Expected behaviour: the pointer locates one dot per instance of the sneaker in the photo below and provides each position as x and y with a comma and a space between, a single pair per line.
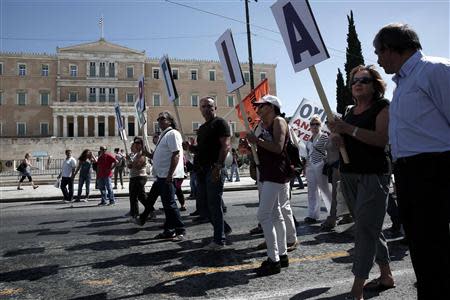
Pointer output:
101, 204
115, 188
345, 220
165, 236
35, 187
292, 246
183, 208
84, 200
309, 220
20, 189
111, 203
179, 238
227, 233
256, 230
268, 267
284, 261
213, 246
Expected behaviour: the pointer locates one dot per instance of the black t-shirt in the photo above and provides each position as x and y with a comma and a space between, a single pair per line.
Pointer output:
208, 141
364, 158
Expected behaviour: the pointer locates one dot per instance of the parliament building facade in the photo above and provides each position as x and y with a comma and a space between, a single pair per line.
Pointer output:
50, 103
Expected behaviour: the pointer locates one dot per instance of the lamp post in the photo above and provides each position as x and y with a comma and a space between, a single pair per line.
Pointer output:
249, 42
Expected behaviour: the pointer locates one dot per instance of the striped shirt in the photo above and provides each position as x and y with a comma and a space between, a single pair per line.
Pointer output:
316, 149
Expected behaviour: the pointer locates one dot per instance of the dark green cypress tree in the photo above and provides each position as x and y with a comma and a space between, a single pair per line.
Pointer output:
340, 92
354, 58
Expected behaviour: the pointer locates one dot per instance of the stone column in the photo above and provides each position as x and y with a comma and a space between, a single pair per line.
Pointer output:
55, 125
125, 124
136, 126
86, 131
116, 129
96, 126
64, 126
75, 125
106, 125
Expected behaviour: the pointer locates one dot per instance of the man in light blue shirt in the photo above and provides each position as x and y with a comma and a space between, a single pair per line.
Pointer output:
419, 134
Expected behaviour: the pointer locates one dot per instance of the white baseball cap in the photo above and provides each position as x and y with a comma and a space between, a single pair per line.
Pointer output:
269, 99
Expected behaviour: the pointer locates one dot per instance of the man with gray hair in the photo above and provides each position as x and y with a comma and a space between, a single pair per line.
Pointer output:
419, 135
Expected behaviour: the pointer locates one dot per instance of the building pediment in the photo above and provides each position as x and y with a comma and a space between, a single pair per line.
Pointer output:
100, 46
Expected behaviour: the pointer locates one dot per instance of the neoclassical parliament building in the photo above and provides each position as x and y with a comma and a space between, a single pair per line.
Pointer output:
49, 103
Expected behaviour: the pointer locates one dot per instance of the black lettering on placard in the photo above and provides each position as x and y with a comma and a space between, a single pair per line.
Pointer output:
306, 43
305, 111
166, 80
318, 111
228, 61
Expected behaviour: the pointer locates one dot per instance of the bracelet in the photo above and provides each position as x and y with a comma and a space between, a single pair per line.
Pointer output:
355, 130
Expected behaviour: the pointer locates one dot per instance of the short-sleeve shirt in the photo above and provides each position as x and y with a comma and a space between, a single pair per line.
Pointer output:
208, 140
68, 166
170, 141
104, 163
85, 168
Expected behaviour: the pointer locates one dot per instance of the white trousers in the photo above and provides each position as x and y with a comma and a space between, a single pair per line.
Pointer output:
318, 188
273, 199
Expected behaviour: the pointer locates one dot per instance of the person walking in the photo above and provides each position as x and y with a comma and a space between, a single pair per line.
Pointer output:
365, 180
85, 167
67, 174
24, 169
271, 138
318, 186
419, 135
213, 144
118, 170
137, 164
105, 164
234, 166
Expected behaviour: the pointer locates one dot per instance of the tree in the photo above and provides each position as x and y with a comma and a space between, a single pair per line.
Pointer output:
340, 92
354, 58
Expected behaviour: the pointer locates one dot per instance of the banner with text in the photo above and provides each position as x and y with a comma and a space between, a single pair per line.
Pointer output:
300, 120
253, 118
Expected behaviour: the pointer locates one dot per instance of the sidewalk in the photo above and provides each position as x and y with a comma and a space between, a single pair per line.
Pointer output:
47, 191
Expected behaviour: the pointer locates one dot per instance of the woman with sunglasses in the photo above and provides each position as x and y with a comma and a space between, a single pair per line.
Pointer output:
274, 211
365, 180
318, 186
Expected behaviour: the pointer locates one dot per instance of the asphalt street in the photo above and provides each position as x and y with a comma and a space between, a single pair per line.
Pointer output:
50, 250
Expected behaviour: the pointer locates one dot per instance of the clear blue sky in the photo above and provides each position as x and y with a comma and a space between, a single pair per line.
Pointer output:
160, 27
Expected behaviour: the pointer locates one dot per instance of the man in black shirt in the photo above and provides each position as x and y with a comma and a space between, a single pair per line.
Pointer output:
213, 144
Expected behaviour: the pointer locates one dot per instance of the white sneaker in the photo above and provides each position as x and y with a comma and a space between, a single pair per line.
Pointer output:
213, 247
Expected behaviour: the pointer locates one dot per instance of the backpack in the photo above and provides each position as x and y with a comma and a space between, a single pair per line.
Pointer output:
121, 163
21, 168
293, 156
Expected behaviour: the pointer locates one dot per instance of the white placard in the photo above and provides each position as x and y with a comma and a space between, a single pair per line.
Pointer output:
140, 115
300, 33
141, 97
229, 61
168, 78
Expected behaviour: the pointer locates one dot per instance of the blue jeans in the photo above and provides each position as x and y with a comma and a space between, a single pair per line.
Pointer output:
67, 182
173, 217
210, 203
193, 183
234, 170
84, 180
105, 187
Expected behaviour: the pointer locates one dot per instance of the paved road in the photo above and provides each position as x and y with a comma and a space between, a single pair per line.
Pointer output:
52, 251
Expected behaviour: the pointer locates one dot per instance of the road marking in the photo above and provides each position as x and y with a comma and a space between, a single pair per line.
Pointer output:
10, 292
257, 264
98, 282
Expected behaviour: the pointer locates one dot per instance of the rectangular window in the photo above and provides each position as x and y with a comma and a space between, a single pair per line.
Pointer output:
44, 129
102, 97
44, 71
112, 95
92, 95
21, 129
102, 72
73, 71
212, 75
73, 97
195, 126
246, 76
112, 70
45, 98
230, 101
21, 98
194, 74
156, 100
92, 69
175, 74
22, 70
1, 98
156, 128
129, 72
262, 75
1, 68
155, 73
194, 100
130, 98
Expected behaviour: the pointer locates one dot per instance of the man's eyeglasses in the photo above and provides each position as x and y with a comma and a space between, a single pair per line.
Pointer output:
362, 80
314, 124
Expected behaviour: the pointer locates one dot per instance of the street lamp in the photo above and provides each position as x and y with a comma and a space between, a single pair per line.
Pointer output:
249, 42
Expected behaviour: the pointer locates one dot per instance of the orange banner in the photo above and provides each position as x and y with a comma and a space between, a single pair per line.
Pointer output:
261, 90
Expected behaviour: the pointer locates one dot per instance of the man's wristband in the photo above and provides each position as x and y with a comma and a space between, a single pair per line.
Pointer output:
355, 130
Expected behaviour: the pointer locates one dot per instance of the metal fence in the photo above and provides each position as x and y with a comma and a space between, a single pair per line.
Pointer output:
41, 166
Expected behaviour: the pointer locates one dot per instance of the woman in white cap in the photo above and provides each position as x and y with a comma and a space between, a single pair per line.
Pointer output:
271, 137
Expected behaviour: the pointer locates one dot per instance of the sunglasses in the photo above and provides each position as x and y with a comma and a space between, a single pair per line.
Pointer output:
161, 119
362, 80
314, 124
